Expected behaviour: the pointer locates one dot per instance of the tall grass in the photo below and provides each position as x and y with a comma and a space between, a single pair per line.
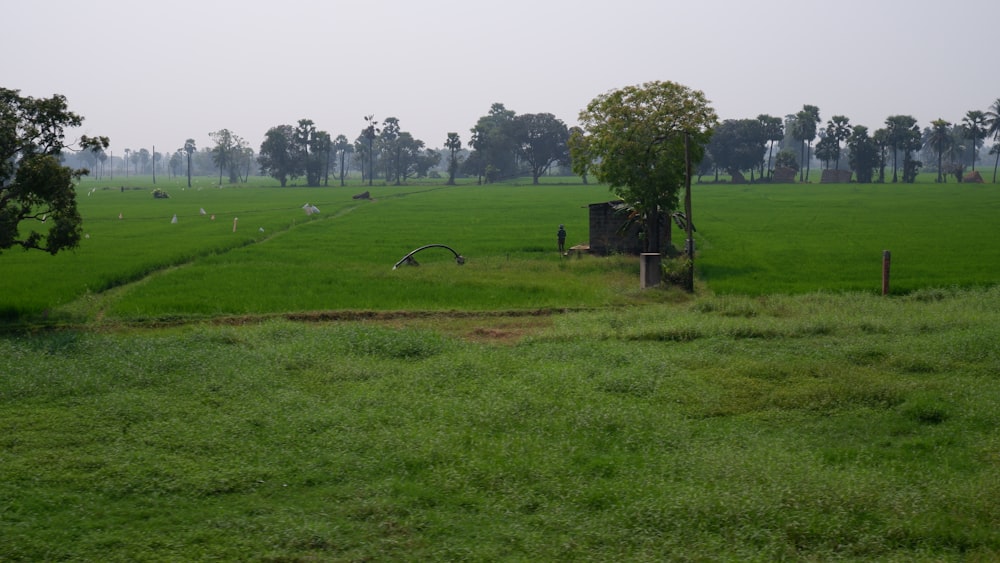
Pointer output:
813, 427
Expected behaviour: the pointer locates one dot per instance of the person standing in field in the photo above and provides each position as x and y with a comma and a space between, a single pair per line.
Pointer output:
561, 235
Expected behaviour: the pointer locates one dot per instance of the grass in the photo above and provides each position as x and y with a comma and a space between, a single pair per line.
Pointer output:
752, 240
313, 404
811, 427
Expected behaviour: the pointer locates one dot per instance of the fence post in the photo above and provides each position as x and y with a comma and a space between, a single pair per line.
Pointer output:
886, 259
649, 270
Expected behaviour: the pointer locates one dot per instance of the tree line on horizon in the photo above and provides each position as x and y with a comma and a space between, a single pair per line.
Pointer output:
752, 146
504, 145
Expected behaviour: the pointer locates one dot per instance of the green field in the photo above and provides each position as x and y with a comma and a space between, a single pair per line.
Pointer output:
180, 391
753, 240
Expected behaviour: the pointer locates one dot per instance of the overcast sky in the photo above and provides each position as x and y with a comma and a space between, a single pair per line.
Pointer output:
157, 73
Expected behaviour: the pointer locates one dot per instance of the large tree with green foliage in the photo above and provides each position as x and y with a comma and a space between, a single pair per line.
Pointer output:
34, 185
277, 154
227, 153
541, 142
642, 141
864, 154
738, 145
495, 144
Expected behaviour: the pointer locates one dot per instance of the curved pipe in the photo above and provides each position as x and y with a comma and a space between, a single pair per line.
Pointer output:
459, 259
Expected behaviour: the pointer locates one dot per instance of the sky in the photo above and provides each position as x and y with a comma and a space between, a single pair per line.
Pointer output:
156, 73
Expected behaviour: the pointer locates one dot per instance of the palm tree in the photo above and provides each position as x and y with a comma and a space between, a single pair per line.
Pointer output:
773, 131
901, 130
993, 130
343, 148
838, 128
804, 130
189, 148
454, 144
974, 125
938, 137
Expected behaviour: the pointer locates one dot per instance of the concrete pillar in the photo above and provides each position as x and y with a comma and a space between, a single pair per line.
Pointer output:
649, 270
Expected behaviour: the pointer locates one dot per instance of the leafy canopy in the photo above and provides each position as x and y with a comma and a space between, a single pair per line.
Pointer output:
633, 140
34, 186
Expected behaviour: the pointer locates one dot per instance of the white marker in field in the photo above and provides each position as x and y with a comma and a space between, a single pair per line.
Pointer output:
235, 219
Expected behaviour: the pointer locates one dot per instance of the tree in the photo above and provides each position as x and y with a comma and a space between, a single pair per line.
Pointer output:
495, 144
454, 144
577, 145
276, 156
369, 133
388, 146
738, 145
903, 133
322, 147
974, 127
142, 159
542, 143
225, 153
34, 185
938, 136
864, 154
636, 143
310, 152
827, 149
838, 129
772, 130
804, 131
992, 124
343, 148
189, 148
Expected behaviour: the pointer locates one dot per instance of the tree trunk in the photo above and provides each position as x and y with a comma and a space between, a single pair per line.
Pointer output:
688, 223
653, 230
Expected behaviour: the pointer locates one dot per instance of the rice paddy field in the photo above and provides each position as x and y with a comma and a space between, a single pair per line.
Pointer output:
182, 391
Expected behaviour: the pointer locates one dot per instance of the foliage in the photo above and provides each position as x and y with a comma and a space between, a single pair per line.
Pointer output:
773, 131
543, 140
277, 154
738, 145
454, 144
635, 142
903, 135
863, 154
803, 129
34, 186
230, 153
786, 159
974, 127
494, 142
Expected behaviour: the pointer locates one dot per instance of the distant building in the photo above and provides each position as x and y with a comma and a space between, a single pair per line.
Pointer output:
606, 236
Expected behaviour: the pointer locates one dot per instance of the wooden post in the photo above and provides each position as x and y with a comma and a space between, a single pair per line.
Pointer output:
886, 258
